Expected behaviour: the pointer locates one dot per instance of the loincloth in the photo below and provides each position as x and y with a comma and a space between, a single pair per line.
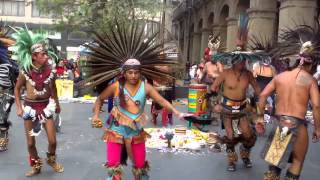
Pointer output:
38, 111
233, 109
279, 145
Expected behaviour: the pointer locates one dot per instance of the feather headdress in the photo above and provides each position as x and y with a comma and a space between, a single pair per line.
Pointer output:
240, 54
242, 35
214, 44
263, 46
27, 43
302, 41
109, 52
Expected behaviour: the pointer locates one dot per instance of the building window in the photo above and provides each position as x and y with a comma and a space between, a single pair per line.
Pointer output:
54, 35
12, 8
72, 52
77, 35
37, 13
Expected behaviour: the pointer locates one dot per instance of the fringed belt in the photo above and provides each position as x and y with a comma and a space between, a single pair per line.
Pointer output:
122, 119
36, 100
112, 136
229, 102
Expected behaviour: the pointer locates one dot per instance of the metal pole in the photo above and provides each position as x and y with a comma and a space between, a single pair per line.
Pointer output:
188, 63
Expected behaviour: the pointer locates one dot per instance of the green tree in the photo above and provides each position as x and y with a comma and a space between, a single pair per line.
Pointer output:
98, 13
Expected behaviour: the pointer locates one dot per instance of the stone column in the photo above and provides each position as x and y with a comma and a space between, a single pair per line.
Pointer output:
221, 30
196, 43
180, 40
294, 12
185, 40
204, 39
262, 19
232, 33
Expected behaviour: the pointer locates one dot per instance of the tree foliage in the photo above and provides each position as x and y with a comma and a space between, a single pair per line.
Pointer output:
98, 13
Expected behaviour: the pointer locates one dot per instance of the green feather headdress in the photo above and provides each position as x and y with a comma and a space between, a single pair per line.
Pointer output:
25, 41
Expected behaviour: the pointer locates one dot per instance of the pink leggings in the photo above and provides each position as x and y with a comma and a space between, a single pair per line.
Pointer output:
114, 154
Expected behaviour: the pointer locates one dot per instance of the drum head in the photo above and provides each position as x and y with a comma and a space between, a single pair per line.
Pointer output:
199, 120
198, 86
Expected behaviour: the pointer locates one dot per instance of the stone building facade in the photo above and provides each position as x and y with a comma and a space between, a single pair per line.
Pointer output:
266, 19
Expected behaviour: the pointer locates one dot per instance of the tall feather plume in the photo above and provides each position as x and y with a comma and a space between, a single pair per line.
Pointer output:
242, 35
240, 54
111, 49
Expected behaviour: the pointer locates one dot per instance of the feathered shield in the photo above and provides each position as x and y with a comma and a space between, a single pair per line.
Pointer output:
110, 50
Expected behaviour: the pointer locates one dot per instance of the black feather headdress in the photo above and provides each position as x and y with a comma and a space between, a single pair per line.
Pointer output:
262, 46
302, 42
109, 52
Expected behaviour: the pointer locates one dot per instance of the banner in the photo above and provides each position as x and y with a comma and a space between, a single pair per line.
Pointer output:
64, 88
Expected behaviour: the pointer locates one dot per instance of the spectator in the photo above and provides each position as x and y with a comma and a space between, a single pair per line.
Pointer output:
70, 75
60, 69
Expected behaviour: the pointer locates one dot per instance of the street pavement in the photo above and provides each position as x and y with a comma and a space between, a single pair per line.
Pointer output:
82, 152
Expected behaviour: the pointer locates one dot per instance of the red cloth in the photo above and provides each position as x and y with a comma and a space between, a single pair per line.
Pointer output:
206, 51
60, 70
40, 77
37, 106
